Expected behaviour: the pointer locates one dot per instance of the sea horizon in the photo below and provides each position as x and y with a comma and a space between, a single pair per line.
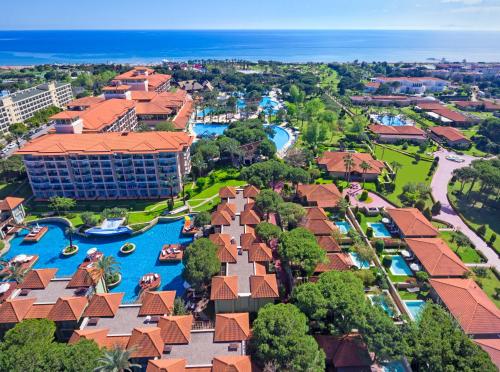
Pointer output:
30, 47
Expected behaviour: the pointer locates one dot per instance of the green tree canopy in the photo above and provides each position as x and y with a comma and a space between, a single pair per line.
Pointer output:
268, 201
291, 214
267, 231
202, 219
200, 262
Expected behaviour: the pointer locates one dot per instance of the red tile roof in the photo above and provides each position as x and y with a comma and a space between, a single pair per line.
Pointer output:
264, 286
157, 303
412, 223
176, 329
85, 101
104, 305
259, 252
10, 202
14, 310
334, 162
232, 363
232, 327
182, 118
39, 311
98, 335
166, 365
403, 130
315, 213
68, 309
335, 261
146, 343
81, 278
228, 253
221, 218
450, 133
107, 143
224, 288
328, 243
470, 306
492, 347
229, 208
320, 227
227, 192
247, 239
250, 191
347, 351
436, 257
249, 217
452, 115
38, 278
326, 196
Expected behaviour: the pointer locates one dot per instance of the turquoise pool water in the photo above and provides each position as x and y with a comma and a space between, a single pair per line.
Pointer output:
343, 226
360, 264
204, 112
394, 366
415, 307
392, 121
382, 301
280, 137
241, 103
269, 105
379, 230
400, 267
133, 266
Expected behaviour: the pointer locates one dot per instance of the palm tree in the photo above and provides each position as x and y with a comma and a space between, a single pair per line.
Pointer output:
169, 182
16, 273
348, 163
116, 360
185, 178
365, 167
70, 231
395, 167
107, 267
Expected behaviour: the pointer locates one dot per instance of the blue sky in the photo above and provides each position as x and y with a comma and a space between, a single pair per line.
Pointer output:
251, 14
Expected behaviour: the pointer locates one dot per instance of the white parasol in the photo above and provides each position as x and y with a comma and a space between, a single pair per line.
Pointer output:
4, 287
20, 258
405, 253
415, 267
91, 251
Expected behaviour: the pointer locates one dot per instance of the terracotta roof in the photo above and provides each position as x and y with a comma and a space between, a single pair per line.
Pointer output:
347, 351
250, 205
107, 143
85, 101
409, 79
336, 261
492, 347
372, 84
39, 311
450, 133
146, 343
155, 80
247, 239
182, 118
264, 286
452, 115
232, 363
227, 192
176, 329
10, 202
232, 327
68, 309
320, 227
38, 278
334, 162
250, 191
166, 365
402, 130
81, 278
259, 252
14, 310
220, 239
221, 218
224, 288
104, 305
411, 222
98, 335
227, 253
326, 196
315, 213
477, 104
436, 257
229, 208
134, 73
249, 217
328, 243
157, 303
470, 306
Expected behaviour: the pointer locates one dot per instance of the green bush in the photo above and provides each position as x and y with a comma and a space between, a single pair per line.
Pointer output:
481, 230
364, 195
369, 232
422, 276
359, 217
379, 246
387, 261
493, 238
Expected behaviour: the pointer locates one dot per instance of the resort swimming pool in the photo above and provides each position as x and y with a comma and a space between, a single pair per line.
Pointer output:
133, 266
269, 105
343, 226
392, 121
360, 264
400, 267
415, 307
280, 138
379, 230
383, 301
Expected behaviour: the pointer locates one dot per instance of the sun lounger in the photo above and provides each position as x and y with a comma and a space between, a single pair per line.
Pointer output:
413, 290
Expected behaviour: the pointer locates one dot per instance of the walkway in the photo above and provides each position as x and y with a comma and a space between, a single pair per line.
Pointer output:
376, 200
439, 186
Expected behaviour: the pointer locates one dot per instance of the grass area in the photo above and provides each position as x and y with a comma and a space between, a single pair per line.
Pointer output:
409, 172
19, 189
213, 190
469, 133
439, 225
405, 295
466, 254
415, 149
489, 284
476, 213
365, 219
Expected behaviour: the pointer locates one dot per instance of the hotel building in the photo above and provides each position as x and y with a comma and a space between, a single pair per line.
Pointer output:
107, 165
144, 79
408, 85
22, 105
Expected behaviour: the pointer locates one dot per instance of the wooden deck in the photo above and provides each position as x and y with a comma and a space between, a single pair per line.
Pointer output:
35, 237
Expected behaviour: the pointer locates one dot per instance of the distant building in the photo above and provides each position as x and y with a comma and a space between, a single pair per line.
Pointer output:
389, 100
193, 86
107, 165
22, 105
441, 114
477, 105
144, 79
391, 134
333, 162
449, 136
408, 85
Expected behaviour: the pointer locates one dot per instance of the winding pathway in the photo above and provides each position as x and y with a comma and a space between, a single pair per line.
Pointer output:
439, 186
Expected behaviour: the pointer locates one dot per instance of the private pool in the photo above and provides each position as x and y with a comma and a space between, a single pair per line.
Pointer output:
414, 307
400, 267
379, 230
394, 366
360, 264
343, 226
132, 266
383, 301
392, 121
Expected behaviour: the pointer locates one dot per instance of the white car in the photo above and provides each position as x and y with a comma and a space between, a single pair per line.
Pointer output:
455, 158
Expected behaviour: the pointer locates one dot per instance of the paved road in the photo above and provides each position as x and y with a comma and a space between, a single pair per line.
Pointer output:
439, 186
376, 201
41, 132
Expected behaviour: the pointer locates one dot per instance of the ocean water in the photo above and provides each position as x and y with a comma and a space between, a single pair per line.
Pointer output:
37, 47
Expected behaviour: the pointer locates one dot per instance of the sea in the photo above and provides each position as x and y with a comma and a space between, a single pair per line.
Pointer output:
153, 46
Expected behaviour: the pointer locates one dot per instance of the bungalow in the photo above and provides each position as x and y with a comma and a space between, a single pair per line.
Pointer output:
324, 196
437, 259
345, 353
470, 306
11, 213
477, 105
334, 163
449, 136
443, 115
390, 134
411, 223
337, 261
492, 347
317, 222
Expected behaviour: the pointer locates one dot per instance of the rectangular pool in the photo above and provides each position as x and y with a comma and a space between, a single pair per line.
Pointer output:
400, 267
414, 307
360, 264
343, 226
379, 230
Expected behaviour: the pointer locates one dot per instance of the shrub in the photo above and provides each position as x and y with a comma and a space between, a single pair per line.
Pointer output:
427, 213
481, 272
493, 238
422, 276
405, 146
366, 276
417, 158
379, 246
359, 217
369, 233
481, 230
436, 208
364, 195
420, 205
387, 261
201, 182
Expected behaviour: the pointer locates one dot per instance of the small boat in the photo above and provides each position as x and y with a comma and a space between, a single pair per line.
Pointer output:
189, 228
171, 252
150, 281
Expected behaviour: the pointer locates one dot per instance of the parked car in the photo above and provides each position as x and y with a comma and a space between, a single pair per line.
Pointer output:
455, 158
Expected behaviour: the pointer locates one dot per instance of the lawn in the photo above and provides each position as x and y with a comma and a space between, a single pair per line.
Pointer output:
213, 190
466, 254
476, 214
365, 219
409, 172
19, 189
489, 285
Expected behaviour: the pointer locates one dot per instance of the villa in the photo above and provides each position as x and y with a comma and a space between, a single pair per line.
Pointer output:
483, 105
443, 115
391, 134
337, 261
11, 213
317, 222
323, 196
450, 136
333, 162
411, 223
408, 85
192, 86
345, 353
107, 165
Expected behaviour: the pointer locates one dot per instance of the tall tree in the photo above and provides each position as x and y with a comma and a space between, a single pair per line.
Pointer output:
268, 201
348, 164
365, 167
200, 263
116, 360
